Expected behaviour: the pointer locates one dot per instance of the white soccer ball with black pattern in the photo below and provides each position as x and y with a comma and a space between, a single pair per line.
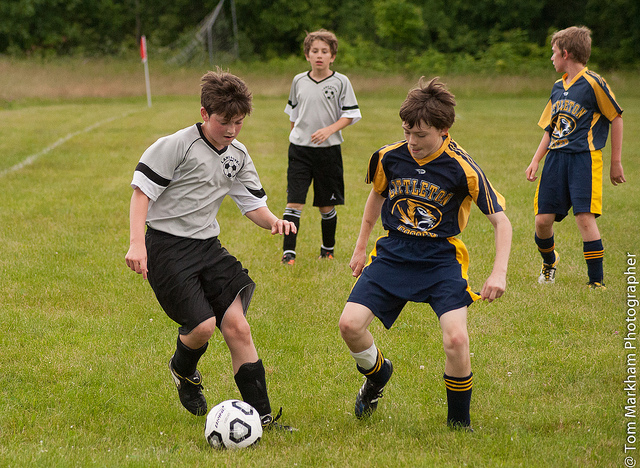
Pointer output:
233, 424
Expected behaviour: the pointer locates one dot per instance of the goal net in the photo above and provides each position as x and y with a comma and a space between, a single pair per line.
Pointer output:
215, 40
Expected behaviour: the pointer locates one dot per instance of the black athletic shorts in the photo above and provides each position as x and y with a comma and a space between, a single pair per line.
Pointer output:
195, 279
324, 167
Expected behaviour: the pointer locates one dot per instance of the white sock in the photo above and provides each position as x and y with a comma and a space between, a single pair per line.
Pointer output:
367, 358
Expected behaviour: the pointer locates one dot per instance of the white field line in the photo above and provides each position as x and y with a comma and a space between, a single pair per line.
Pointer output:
31, 159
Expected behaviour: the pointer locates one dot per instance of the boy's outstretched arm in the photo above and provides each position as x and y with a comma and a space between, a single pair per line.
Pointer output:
136, 257
369, 218
616, 173
264, 218
530, 172
321, 135
496, 284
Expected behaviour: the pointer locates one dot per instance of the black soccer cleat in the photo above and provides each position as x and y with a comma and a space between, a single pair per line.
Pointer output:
270, 423
288, 258
326, 253
190, 391
371, 392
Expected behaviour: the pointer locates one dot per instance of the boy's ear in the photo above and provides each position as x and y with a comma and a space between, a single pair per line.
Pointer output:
203, 113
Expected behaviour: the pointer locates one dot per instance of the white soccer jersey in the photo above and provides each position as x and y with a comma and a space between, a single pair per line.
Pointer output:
314, 105
186, 178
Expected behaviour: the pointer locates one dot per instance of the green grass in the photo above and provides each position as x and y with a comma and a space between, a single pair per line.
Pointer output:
84, 344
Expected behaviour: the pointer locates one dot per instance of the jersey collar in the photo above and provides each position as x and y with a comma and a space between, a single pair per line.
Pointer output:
207, 142
324, 79
445, 143
575, 78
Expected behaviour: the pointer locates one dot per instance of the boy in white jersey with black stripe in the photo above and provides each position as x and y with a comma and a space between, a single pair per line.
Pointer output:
321, 103
179, 185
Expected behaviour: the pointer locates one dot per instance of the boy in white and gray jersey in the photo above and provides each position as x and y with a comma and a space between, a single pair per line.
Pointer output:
321, 103
179, 185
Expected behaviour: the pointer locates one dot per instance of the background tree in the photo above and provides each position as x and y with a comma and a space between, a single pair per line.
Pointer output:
422, 30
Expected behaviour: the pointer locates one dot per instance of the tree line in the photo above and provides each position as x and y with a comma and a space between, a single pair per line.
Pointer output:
436, 32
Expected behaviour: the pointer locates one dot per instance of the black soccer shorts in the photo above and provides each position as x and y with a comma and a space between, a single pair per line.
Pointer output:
195, 279
323, 166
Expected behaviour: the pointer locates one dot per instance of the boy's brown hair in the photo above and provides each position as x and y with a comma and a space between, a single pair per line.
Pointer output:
431, 103
225, 94
322, 34
576, 40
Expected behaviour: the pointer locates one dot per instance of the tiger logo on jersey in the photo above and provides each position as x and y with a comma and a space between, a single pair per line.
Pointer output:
417, 218
562, 126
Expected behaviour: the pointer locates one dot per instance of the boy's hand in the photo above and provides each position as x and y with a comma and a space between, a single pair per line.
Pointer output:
493, 288
321, 135
616, 174
530, 172
136, 259
283, 227
358, 260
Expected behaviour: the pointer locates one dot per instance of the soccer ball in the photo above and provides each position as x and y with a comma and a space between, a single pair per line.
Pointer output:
233, 424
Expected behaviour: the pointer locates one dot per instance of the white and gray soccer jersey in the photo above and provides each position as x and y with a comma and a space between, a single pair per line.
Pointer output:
186, 179
314, 105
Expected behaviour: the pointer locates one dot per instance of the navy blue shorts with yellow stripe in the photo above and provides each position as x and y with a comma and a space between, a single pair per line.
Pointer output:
570, 180
402, 269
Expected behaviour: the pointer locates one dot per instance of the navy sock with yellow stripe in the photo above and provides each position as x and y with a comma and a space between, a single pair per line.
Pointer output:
458, 400
379, 373
594, 256
546, 247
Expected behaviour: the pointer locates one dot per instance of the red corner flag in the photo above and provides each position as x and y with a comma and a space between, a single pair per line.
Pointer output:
143, 48
143, 56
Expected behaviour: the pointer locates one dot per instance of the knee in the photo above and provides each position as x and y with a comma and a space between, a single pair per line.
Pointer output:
350, 329
236, 330
206, 329
543, 223
456, 341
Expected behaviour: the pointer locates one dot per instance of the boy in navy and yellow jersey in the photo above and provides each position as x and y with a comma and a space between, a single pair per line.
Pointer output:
423, 188
576, 125
321, 103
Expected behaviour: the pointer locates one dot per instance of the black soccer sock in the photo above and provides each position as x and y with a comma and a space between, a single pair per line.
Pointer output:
328, 225
252, 383
185, 360
379, 373
458, 400
594, 256
289, 242
547, 247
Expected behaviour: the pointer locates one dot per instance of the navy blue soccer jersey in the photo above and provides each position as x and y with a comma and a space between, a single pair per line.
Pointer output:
578, 114
431, 197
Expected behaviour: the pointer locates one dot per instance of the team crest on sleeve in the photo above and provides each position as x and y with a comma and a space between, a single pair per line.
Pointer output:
417, 218
230, 166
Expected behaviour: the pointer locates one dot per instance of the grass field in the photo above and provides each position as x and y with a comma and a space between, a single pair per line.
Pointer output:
84, 344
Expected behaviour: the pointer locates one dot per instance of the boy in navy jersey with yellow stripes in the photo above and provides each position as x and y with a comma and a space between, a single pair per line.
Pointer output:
576, 125
423, 188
